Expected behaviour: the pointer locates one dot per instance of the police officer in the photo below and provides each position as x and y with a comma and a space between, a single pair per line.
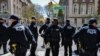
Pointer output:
55, 33
43, 29
77, 44
68, 32
88, 37
19, 37
34, 30
3, 35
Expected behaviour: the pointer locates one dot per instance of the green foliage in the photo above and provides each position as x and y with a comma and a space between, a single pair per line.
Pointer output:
60, 13
30, 11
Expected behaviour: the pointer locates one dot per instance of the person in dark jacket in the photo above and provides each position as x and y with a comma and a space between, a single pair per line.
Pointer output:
43, 29
68, 32
3, 35
88, 38
19, 37
55, 33
34, 30
77, 44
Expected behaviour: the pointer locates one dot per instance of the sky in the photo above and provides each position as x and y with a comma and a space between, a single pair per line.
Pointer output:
42, 2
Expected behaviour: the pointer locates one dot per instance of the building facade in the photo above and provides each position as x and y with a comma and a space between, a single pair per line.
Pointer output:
99, 7
13, 7
80, 11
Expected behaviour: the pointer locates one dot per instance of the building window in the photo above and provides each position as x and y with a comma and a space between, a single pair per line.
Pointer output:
17, 11
75, 21
17, 1
99, 7
0, 7
91, 0
3, 8
90, 9
83, 20
82, 9
83, 0
75, 9
75, 0
20, 11
14, 9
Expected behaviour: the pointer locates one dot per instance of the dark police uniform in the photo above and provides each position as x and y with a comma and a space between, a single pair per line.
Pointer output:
34, 30
44, 28
3, 37
54, 32
19, 37
68, 32
88, 37
77, 44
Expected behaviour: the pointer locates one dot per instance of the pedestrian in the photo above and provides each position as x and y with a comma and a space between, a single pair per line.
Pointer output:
43, 29
88, 38
3, 35
68, 32
77, 44
19, 37
54, 33
34, 30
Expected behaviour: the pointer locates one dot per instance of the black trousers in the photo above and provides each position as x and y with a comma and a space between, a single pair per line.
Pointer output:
54, 48
66, 47
77, 51
20, 49
89, 52
47, 53
4, 47
33, 49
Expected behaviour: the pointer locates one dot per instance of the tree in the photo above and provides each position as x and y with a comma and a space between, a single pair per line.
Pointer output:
29, 11
52, 9
60, 13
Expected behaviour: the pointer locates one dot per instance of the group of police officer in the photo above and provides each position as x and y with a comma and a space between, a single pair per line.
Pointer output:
24, 37
86, 38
